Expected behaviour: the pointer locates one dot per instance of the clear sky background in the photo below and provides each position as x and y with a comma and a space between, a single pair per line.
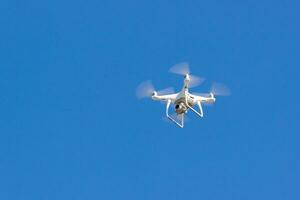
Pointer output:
72, 128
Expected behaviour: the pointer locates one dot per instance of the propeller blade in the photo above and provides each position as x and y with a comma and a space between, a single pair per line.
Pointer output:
169, 90
183, 69
217, 89
145, 89
180, 68
220, 89
202, 94
195, 80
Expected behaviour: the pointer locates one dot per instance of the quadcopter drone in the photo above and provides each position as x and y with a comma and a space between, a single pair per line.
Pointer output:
183, 100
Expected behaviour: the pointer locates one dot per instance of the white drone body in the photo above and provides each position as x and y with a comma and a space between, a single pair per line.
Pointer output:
183, 100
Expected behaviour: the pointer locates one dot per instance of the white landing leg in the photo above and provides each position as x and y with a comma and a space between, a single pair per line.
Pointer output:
200, 113
181, 123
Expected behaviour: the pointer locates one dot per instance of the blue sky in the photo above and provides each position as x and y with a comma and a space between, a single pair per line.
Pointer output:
72, 128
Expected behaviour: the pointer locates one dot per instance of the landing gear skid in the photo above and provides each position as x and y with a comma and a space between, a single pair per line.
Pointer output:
179, 123
200, 113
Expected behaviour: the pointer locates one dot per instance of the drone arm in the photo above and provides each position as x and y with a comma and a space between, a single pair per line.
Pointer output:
203, 99
208, 100
164, 97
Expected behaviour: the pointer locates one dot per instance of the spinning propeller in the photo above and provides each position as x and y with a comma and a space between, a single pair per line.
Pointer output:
217, 89
184, 69
146, 89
